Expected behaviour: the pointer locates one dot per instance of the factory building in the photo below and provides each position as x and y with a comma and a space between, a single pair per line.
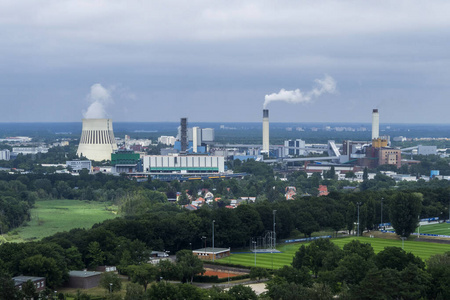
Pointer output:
97, 139
189, 164
294, 148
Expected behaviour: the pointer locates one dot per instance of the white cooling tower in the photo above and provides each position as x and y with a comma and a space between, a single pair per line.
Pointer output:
97, 139
375, 124
265, 147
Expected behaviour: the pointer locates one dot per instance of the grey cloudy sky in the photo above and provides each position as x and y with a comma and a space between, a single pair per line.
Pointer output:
216, 60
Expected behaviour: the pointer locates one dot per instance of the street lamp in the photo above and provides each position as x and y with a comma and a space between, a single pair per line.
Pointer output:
358, 203
254, 247
214, 221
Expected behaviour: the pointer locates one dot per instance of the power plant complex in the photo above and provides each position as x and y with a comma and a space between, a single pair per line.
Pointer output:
195, 155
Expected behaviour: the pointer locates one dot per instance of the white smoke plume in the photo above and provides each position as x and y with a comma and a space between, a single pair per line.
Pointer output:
100, 98
325, 85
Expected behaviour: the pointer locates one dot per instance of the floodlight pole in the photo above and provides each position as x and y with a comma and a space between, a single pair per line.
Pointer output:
358, 203
274, 232
214, 221
382, 212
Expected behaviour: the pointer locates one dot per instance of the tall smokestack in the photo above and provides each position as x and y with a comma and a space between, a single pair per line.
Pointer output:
265, 131
375, 124
184, 141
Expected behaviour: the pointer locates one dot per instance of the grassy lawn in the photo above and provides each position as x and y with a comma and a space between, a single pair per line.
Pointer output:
421, 249
442, 229
52, 216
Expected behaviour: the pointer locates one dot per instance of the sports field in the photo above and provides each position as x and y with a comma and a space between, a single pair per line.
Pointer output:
278, 260
438, 228
52, 216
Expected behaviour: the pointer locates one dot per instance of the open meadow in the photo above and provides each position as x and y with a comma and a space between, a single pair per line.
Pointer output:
51, 216
422, 249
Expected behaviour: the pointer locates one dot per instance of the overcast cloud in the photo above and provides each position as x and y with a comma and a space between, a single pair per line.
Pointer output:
216, 60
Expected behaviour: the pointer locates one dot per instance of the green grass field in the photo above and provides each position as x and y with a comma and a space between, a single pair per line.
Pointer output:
278, 260
442, 229
52, 216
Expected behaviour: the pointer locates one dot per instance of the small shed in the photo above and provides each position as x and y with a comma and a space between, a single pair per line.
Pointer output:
83, 279
210, 253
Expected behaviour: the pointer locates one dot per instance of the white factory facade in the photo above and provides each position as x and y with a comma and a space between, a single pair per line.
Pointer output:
201, 164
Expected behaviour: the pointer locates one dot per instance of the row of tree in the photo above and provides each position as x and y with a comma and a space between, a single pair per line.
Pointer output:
356, 272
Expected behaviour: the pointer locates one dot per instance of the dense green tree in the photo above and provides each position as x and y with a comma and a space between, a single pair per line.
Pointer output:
396, 258
134, 292
242, 292
96, 255
29, 290
189, 265
39, 265
258, 273
438, 266
142, 274
320, 255
110, 282
404, 212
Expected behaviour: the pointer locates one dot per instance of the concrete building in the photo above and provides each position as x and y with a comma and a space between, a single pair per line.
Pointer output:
183, 164
97, 139
5, 154
78, 165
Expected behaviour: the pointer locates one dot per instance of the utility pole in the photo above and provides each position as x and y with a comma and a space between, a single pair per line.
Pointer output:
358, 203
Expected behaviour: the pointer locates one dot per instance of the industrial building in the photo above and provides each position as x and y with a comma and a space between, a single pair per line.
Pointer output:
125, 161
294, 148
97, 139
191, 164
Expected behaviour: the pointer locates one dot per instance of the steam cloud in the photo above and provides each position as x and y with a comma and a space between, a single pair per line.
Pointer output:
99, 97
325, 85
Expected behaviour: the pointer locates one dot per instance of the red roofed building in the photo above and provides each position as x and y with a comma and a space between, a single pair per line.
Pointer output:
323, 190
